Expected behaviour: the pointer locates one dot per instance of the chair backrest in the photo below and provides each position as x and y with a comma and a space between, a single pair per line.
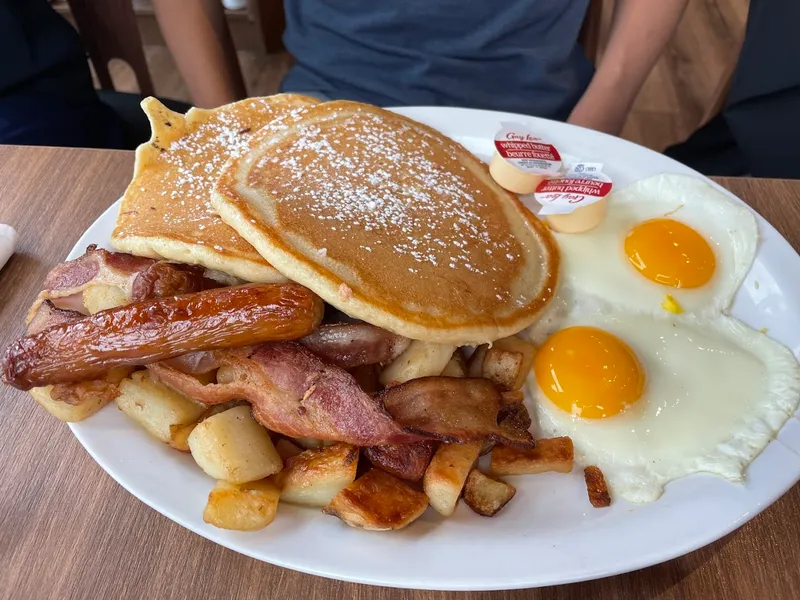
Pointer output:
108, 30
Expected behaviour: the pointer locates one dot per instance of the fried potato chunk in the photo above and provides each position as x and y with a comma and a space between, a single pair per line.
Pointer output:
486, 496
551, 454
74, 402
101, 296
456, 366
420, 359
71, 413
314, 477
162, 411
445, 476
475, 362
231, 446
596, 487
179, 436
377, 501
245, 507
506, 364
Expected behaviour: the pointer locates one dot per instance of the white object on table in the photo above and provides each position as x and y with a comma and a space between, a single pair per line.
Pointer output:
234, 4
8, 241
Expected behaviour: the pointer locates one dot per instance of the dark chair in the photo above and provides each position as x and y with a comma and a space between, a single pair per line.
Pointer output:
108, 30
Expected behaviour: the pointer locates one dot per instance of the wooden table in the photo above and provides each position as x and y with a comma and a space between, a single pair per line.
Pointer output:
67, 530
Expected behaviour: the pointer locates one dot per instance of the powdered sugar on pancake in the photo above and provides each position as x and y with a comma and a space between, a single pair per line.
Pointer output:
197, 159
360, 176
183, 173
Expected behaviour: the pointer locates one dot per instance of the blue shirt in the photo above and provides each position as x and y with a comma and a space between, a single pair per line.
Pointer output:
511, 55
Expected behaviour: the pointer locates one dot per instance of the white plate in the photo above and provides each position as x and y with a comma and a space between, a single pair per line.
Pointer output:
549, 534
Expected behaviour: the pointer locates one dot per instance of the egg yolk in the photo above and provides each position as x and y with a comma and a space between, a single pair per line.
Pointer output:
588, 372
670, 253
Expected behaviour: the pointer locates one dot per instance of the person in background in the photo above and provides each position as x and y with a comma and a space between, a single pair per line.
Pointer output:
47, 97
517, 55
46, 92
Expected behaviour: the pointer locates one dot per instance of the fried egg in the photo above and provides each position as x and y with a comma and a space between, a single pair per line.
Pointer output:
667, 235
652, 399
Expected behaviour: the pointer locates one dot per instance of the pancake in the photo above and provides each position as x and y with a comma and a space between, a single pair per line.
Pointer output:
165, 212
391, 222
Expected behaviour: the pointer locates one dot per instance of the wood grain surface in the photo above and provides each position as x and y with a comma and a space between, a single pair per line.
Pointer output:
67, 530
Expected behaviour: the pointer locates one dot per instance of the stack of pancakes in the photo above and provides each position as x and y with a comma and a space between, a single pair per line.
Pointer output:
384, 218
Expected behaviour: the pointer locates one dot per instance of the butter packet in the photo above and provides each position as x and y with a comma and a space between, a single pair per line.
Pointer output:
583, 184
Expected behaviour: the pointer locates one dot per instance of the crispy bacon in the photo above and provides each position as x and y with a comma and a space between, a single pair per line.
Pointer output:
367, 377
406, 461
140, 279
96, 266
295, 393
514, 418
49, 315
75, 273
452, 410
146, 332
77, 393
349, 345
106, 388
163, 279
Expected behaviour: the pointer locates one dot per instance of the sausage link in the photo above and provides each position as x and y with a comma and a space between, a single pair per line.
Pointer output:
153, 330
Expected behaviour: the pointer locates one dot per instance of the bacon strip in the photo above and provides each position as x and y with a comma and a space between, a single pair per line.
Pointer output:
146, 332
139, 278
96, 266
452, 410
406, 461
293, 392
514, 418
296, 393
106, 388
163, 279
49, 315
349, 345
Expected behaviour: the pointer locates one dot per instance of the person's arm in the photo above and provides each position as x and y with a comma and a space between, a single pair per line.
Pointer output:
639, 32
198, 38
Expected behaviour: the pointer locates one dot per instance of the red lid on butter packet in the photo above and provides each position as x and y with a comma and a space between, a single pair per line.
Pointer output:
583, 184
519, 146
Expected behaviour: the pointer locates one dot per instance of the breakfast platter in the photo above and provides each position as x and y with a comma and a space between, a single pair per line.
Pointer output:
700, 436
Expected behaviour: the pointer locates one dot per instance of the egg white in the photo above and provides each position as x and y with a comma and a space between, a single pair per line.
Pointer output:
594, 262
717, 392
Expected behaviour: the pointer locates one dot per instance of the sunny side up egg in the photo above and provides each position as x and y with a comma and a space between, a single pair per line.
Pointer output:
650, 400
646, 395
668, 234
